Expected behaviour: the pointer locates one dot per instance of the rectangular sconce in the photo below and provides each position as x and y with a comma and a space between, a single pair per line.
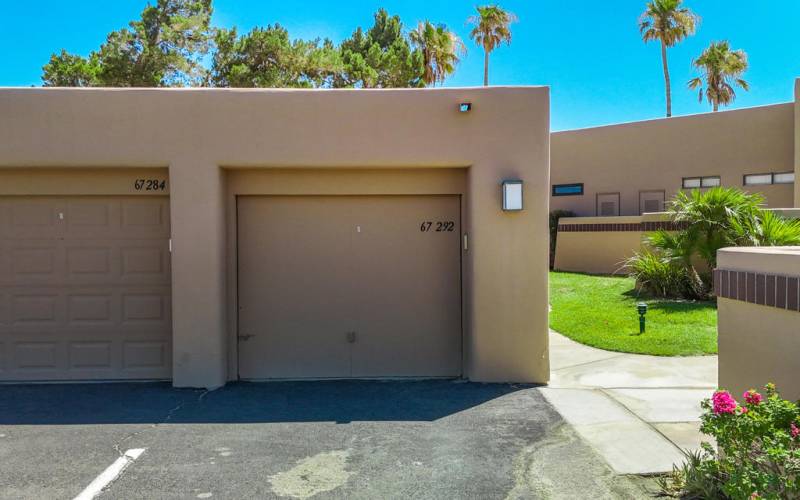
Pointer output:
512, 196
465, 107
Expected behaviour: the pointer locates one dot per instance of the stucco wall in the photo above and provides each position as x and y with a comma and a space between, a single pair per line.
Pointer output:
596, 252
656, 155
759, 332
200, 135
600, 245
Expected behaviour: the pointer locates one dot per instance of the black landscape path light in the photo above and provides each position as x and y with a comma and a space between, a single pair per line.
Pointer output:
642, 308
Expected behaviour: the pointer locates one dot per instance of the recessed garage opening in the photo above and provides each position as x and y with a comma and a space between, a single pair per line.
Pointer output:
349, 286
84, 288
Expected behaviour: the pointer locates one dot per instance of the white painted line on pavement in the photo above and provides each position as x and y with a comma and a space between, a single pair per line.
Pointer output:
110, 474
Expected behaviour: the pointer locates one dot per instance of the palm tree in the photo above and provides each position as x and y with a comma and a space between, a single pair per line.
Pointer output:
722, 68
711, 218
668, 22
492, 27
440, 50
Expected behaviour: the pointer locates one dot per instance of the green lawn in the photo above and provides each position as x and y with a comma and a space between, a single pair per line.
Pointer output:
600, 311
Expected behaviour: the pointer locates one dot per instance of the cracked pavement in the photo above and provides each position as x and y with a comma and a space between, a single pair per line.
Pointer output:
336, 439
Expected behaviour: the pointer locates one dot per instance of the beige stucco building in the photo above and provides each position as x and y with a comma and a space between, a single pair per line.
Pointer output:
617, 178
212, 235
633, 168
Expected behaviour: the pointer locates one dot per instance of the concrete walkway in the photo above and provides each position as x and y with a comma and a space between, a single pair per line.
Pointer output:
637, 411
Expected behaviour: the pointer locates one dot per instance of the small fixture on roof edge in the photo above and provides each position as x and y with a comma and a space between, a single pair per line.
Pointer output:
465, 107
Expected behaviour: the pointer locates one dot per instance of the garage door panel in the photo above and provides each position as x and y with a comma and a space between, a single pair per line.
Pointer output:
145, 355
67, 263
145, 310
314, 271
123, 262
85, 308
5, 216
37, 356
4, 315
145, 220
88, 259
35, 309
32, 261
38, 258
409, 300
93, 302
288, 274
91, 355
91, 308
34, 218
101, 358
90, 215
145, 263
117, 218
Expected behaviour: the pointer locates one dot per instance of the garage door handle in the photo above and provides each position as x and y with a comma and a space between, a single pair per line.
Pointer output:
245, 337
351, 337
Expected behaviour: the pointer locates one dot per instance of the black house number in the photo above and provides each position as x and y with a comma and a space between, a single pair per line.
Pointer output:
149, 185
438, 226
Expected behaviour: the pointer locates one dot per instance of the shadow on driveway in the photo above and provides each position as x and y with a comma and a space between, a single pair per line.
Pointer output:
269, 402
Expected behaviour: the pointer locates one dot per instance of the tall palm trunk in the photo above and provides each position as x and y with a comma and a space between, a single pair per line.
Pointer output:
667, 84
485, 67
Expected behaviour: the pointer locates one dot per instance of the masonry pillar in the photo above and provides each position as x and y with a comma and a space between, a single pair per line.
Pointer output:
198, 274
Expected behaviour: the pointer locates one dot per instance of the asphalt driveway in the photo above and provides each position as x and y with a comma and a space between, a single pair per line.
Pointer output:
343, 439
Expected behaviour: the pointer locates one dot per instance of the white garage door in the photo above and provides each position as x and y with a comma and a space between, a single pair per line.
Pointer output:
349, 286
84, 288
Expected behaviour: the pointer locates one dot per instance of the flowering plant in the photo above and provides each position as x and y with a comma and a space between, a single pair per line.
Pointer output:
757, 453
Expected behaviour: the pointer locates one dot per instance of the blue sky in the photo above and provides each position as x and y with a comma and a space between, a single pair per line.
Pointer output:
589, 52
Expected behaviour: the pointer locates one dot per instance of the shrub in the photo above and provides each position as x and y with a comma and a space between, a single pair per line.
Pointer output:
709, 217
768, 229
662, 276
711, 220
757, 455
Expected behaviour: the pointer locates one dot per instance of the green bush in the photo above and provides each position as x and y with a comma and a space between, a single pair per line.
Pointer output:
757, 455
661, 276
709, 220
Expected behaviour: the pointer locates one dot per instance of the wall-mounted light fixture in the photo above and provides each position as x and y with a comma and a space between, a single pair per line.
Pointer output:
465, 107
512, 196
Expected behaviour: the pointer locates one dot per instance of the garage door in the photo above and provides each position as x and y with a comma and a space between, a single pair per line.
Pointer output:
349, 286
84, 288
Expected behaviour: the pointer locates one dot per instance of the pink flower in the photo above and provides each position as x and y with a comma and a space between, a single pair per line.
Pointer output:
744, 409
752, 397
795, 431
723, 402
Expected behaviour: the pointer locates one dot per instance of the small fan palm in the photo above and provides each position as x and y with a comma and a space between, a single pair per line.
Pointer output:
667, 22
710, 220
711, 215
767, 230
722, 69
492, 27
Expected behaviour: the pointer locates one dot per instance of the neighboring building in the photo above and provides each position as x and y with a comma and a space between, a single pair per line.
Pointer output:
208, 235
634, 168
610, 176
